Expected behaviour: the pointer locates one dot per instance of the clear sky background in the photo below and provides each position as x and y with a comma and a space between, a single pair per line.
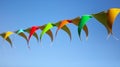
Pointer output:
97, 51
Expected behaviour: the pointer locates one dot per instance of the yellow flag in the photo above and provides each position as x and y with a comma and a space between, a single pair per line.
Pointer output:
7, 34
112, 14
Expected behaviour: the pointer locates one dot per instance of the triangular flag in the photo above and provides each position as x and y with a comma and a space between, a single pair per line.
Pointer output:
111, 16
76, 21
83, 21
46, 29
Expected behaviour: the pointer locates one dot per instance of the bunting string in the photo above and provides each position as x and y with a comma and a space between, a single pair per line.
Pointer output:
106, 18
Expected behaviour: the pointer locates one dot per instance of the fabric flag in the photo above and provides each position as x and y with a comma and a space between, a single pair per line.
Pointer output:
7, 34
49, 32
21, 33
102, 18
46, 29
111, 16
35, 34
83, 21
76, 21
32, 31
62, 25
7, 39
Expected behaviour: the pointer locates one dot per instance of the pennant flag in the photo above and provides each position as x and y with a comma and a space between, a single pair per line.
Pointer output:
76, 21
32, 31
46, 29
49, 32
35, 34
102, 18
111, 16
21, 33
7, 39
62, 25
7, 34
83, 21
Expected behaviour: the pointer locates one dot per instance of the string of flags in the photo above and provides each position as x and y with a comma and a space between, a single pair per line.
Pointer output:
106, 18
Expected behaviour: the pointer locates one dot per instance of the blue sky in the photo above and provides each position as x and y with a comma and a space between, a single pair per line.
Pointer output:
97, 51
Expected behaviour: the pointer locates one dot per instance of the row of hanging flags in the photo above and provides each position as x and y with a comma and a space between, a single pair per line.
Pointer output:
106, 18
